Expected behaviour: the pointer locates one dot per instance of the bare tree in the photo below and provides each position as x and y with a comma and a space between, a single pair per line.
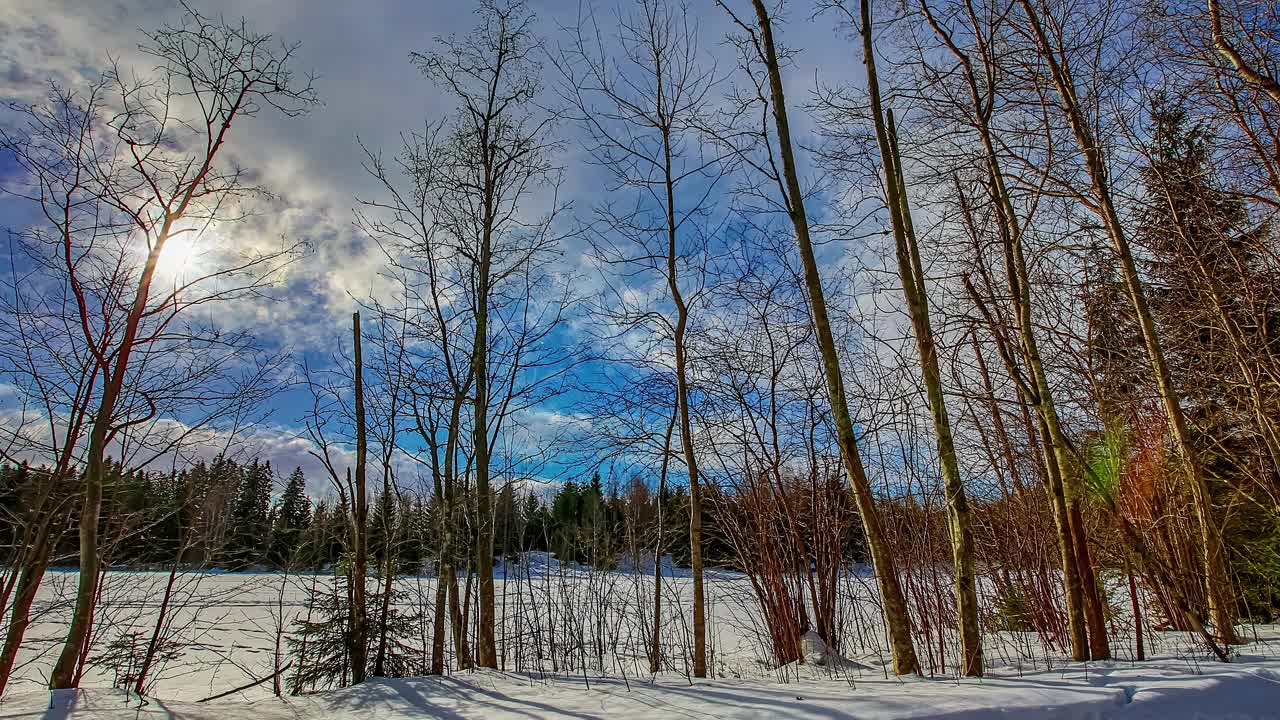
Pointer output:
359, 588
641, 94
497, 156
134, 172
393, 374
969, 34
762, 50
1100, 199
336, 427
913, 281
426, 271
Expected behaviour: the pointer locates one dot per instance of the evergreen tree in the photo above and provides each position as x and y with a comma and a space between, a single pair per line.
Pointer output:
415, 538
537, 523
383, 527
507, 523
1214, 307
1217, 304
292, 518
565, 526
251, 516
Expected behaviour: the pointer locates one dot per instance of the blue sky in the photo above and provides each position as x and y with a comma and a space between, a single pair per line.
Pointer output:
369, 91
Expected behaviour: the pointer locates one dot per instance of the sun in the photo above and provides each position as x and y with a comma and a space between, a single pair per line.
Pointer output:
179, 258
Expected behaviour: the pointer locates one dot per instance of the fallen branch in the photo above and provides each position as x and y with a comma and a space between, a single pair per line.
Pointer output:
255, 683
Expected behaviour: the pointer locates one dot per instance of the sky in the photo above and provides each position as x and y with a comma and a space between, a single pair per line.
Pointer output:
370, 94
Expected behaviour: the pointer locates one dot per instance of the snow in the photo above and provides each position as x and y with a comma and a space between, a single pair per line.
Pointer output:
1156, 690
814, 648
227, 626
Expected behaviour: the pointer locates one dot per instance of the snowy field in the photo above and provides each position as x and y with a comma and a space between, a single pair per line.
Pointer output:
227, 632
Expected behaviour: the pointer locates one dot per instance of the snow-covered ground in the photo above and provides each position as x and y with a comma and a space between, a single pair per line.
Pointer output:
226, 631
1155, 690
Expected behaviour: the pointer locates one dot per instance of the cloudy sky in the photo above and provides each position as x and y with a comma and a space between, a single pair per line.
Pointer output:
370, 92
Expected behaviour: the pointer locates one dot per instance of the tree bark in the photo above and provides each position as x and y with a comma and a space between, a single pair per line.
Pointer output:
911, 274
655, 646
686, 427
486, 647
437, 621
895, 607
1136, 608
140, 685
388, 576
64, 671
1079, 584
359, 526
1217, 581
20, 612
1268, 83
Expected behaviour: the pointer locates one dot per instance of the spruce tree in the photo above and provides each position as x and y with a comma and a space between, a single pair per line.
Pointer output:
293, 517
383, 524
250, 516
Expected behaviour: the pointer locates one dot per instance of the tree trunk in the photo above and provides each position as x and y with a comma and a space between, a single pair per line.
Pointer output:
1137, 611
1217, 581
31, 563
20, 612
686, 427
1099, 646
486, 650
911, 273
1266, 82
655, 646
894, 603
359, 526
1053, 458
458, 621
390, 536
1079, 586
140, 686
1077, 624
64, 672
437, 621
388, 582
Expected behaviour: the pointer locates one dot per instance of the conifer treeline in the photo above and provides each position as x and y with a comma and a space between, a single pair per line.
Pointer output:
239, 516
